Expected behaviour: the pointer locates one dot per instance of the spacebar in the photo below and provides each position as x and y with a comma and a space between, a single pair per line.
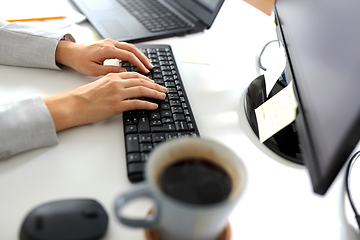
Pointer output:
134, 168
164, 128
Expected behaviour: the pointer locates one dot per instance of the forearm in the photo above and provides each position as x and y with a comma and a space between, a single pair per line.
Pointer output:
25, 125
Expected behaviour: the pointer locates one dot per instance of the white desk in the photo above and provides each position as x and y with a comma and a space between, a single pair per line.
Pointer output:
89, 161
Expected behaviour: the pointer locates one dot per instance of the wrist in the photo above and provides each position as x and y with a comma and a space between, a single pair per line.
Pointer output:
61, 109
64, 52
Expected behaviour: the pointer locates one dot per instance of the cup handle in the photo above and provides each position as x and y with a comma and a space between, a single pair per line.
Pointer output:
138, 190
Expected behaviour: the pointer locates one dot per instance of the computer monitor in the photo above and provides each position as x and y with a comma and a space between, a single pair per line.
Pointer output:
321, 39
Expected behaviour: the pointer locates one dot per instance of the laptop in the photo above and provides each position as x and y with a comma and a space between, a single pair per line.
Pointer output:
144, 20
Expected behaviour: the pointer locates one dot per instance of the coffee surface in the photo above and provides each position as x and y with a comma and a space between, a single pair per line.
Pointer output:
196, 181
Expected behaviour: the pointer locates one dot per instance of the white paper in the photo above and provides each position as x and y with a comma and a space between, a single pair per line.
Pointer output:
276, 113
275, 66
19, 9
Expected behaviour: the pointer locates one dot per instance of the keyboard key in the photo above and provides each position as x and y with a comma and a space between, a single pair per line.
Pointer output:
164, 128
130, 129
143, 125
132, 143
134, 168
186, 134
127, 121
156, 123
146, 147
175, 103
144, 157
181, 126
158, 137
169, 136
165, 113
155, 116
167, 120
165, 106
179, 117
173, 96
176, 110
133, 157
157, 75
145, 138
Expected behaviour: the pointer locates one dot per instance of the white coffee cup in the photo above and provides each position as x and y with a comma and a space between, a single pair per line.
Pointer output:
175, 219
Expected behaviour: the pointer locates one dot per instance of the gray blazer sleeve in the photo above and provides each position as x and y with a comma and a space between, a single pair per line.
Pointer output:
25, 125
26, 46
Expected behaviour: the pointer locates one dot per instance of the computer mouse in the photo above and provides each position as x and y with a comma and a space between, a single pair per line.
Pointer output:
73, 219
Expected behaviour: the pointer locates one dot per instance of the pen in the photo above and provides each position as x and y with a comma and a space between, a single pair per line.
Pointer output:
35, 19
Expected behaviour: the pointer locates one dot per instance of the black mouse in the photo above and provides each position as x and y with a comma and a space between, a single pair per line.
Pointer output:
74, 219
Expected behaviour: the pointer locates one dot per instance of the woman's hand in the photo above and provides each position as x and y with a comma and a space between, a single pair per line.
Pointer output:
89, 59
102, 99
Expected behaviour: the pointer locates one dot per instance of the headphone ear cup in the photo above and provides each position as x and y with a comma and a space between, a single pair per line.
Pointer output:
255, 96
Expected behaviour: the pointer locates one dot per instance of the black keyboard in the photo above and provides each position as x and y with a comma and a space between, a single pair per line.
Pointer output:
144, 129
154, 15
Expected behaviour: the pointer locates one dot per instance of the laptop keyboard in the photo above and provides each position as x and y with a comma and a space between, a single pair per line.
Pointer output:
154, 15
144, 129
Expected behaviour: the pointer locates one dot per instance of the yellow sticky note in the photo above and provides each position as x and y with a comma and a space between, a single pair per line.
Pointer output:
263, 5
276, 113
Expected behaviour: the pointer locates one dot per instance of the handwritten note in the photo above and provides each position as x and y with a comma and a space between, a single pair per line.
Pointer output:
276, 113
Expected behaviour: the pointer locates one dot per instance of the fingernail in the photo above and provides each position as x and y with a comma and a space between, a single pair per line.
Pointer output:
122, 70
151, 66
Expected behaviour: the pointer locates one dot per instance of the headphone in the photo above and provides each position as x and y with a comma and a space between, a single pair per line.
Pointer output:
347, 181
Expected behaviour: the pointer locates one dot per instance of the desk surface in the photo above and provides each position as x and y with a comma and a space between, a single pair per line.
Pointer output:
89, 161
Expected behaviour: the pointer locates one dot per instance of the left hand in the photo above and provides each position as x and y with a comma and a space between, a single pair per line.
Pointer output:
89, 59
104, 98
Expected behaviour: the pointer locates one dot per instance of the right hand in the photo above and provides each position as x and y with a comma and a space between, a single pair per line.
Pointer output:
102, 99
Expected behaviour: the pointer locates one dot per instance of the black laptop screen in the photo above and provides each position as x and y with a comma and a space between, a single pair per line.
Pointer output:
205, 10
209, 4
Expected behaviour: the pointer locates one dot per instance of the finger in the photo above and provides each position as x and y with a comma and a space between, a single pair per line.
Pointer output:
139, 54
127, 52
129, 83
132, 75
143, 91
96, 70
134, 104
132, 58
104, 70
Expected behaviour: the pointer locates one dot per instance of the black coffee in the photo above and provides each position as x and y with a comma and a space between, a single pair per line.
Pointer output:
196, 181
